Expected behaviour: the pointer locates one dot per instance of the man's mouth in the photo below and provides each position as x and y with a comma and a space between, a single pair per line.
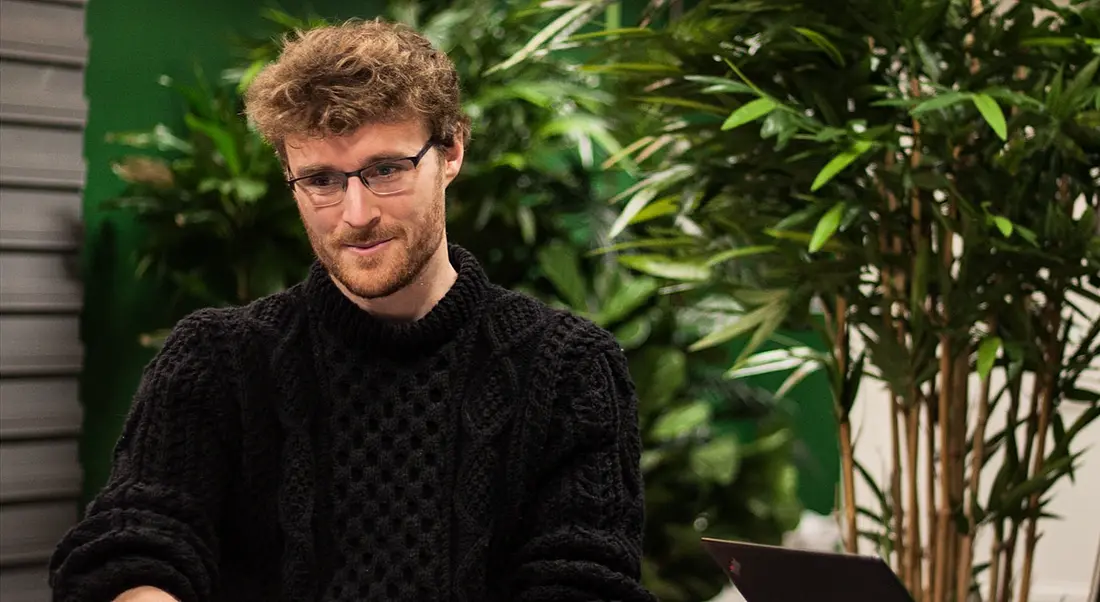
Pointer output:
364, 248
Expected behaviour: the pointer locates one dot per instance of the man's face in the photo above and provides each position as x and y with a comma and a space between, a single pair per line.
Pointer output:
372, 244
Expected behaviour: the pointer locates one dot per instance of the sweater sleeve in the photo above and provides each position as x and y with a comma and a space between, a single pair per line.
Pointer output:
155, 523
583, 542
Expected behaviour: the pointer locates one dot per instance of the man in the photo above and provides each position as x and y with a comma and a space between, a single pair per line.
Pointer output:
394, 427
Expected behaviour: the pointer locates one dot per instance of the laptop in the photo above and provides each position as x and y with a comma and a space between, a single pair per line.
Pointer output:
773, 574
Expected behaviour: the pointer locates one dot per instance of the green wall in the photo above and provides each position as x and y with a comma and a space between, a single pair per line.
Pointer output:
131, 45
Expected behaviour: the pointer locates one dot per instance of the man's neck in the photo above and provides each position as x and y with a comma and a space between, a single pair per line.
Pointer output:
419, 297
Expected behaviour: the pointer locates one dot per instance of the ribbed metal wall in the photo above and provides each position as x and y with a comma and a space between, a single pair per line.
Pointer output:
42, 113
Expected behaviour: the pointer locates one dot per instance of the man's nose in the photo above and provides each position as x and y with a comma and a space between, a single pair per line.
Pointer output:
360, 204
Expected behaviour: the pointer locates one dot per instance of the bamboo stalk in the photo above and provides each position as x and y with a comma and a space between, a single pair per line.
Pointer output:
931, 492
995, 559
847, 451
1052, 353
847, 460
912, 427
957, 452
912, 440
943, 516
892, 287
977, 463
1013, 539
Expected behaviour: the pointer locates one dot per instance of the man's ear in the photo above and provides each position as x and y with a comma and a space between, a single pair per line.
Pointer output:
453, 154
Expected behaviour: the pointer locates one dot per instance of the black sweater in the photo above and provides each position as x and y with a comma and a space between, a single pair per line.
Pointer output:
298, 449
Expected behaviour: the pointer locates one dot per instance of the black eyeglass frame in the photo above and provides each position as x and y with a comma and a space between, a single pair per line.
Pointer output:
358, 173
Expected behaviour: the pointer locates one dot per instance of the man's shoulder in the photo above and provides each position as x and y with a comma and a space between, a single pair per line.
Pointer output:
559, 332
263, 317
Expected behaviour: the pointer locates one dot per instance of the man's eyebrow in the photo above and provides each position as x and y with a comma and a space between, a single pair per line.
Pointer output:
313, 168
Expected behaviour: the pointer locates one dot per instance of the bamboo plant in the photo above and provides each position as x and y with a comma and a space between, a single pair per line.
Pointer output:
919, 179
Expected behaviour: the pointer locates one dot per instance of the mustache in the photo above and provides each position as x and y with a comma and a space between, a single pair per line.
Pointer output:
367, 236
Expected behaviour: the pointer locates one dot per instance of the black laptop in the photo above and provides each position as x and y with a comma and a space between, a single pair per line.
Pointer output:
773, 574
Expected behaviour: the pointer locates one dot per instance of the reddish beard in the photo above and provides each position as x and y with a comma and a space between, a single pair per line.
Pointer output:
394, 266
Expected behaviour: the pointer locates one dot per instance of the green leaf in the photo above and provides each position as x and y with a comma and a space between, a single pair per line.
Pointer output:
749, 111
635, 333
826, 227
823, 43
160, 138
577, 14
720, 85
940, 101
659, 373
737, 253
526, 218
681, 421
716, 461
838, 163
1004, 225
686, 103
628, 297
636, 204
560, 263
987, 355
630, 68
222, 139
739, 327
663, 267
992, 113
249, 190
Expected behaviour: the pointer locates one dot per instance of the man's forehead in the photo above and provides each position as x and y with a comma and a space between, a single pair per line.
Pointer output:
372, 140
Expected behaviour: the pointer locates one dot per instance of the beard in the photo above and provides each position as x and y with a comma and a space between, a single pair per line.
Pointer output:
390, 268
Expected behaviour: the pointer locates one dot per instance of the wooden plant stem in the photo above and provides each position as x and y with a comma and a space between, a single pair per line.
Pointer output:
943, 507
1051, 366
976, 464
912, 456
995, 559
893, 286
847, 461
847, 449
930, 493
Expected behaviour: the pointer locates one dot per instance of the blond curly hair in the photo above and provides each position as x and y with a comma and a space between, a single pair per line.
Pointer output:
333, 80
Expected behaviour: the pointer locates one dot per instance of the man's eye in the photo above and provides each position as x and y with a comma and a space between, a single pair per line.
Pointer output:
387, 170
322, 181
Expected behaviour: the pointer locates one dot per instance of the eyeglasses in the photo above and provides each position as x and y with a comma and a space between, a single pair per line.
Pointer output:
324, 188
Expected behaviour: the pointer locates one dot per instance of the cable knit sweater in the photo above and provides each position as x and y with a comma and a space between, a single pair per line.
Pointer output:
298, 449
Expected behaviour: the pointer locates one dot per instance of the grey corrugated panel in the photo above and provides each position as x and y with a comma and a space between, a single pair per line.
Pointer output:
39, 282
40, 345
39, 470
37, 156
24, 584
39, 219
47, 94
40, 31
39, 407
31, 531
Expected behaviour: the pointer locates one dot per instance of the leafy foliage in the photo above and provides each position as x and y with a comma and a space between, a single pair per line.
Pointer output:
532, 205
220, 224
925, 174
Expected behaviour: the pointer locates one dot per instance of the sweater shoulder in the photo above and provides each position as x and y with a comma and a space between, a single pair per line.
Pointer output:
270, 314
556, 335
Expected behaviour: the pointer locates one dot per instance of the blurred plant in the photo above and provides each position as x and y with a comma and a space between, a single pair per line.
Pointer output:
717, 454
531, 206
220, 226
924, 173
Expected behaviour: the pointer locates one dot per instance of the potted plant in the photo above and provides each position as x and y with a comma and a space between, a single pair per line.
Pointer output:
919, 181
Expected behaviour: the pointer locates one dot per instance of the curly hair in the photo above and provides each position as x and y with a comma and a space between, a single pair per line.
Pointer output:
333, 80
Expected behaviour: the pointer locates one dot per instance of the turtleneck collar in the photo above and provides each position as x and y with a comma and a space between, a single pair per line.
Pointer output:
341, 317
